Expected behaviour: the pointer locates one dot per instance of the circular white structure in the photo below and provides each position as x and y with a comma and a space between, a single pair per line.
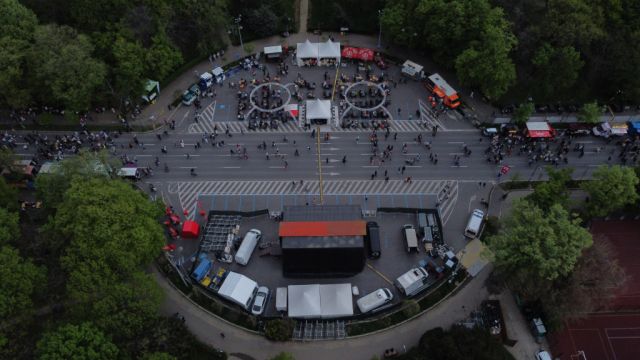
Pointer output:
353, 106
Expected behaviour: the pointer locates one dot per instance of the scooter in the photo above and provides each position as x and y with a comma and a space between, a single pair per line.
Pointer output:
152, 188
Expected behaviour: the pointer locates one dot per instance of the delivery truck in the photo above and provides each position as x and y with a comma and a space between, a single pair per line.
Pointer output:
374, 300
411, 281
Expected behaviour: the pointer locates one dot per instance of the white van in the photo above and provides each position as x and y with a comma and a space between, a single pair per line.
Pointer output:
373, 300
412, 280
238, 289
473, 226
247, 247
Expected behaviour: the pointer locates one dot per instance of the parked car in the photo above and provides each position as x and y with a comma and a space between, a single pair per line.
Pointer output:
261, 298
382, 63
543, 355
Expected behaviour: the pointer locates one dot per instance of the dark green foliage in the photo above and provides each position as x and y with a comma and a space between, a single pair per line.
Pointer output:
458, 343
280, 329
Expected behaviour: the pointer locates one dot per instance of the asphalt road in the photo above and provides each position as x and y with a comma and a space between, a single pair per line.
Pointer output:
219, 164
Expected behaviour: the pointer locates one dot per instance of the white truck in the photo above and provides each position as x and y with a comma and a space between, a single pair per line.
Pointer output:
374, 300
238, 289
412, 280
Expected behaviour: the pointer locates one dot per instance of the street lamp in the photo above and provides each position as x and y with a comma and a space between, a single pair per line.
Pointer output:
380, 14
240, 33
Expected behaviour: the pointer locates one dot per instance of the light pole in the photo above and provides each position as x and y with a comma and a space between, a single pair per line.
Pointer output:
534, 171
380, 14
240, 33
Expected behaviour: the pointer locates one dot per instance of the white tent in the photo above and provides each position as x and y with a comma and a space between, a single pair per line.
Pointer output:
238, 288
335, 300
306, 50
318, 109
329, 50
304, 301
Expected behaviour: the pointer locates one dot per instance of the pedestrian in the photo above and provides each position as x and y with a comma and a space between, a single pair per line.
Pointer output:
327, 160
188, 156
399, 170
385, 173
223, 337
372, 176
480, 141
479, 185
471, 96
484, 184
386, 179
403, 169
375, 173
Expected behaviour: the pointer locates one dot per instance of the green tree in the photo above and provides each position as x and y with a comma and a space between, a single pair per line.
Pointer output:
9, 230
8, 194
65, 67
262, 21
122, 309
159, 356
459, 342
248, 48
17, 25
205, 21
590, 113
51, 187
128, 74
571, 23
536, 244
76, 342
522, 113
410, 308
8, 162
611, 189
339, 16
110, 228
554, 191
486, 64
163, 56
282, 356
19, 281
556, 68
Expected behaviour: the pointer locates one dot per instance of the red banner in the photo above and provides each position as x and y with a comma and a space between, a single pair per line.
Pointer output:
505, 169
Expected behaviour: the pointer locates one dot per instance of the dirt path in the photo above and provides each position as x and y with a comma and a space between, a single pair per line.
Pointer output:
304, 13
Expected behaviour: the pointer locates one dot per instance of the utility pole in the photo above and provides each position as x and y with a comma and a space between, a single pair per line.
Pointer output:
380, 14
240, 33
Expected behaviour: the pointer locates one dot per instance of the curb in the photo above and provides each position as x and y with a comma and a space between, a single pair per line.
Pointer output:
416, 316
200, 307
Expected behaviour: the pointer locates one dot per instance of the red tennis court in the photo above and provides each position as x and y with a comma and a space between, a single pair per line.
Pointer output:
599, 337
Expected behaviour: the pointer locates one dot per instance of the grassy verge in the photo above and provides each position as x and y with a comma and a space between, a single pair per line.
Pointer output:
216, 307
425, 303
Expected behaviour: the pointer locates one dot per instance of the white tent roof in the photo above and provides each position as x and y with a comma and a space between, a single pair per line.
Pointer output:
307, 50
272, 49
237, 287
304, 300
329, 50
318, 109
335, 300
538, 126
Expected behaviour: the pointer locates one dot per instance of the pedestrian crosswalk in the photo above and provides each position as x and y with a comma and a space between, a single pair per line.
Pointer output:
188, 192
206, 123
427, 116
238, 126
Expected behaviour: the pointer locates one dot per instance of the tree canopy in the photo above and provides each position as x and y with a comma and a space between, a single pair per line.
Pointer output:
18, 283
110, 229
612, 189
459, 342
554, 191
590, 113
538, 244
76, 342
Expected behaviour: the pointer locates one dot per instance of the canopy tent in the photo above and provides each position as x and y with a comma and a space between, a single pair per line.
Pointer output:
318, 109
273, 52
350, 52
151, 90
190, 230
539, 129
365, 54
335, 300
304, 301
306, 50
329, 50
